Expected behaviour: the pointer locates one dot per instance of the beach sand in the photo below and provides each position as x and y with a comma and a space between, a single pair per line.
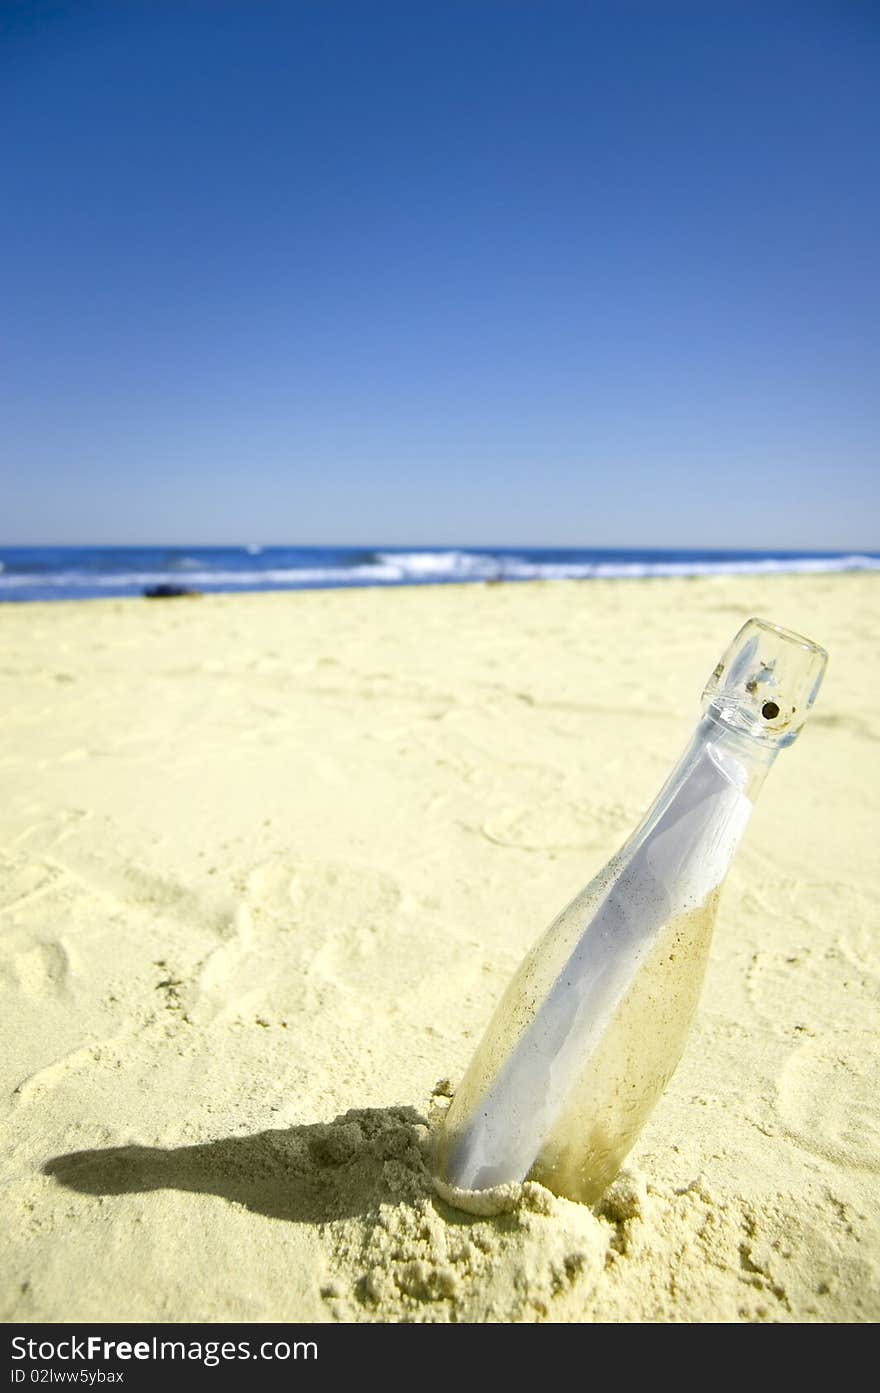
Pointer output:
268, 862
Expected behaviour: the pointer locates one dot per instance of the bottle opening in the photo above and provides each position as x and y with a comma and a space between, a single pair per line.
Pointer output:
766, 682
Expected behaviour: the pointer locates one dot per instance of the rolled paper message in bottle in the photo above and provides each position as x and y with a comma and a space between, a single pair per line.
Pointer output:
594, 1022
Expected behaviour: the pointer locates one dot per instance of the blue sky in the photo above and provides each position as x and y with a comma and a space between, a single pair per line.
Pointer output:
479, 272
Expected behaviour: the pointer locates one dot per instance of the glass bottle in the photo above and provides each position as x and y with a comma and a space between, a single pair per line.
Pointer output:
594, 1022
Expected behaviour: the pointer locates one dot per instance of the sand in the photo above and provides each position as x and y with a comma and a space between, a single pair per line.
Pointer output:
268, 862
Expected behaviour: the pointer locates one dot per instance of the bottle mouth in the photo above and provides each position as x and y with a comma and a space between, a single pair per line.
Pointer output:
765, 683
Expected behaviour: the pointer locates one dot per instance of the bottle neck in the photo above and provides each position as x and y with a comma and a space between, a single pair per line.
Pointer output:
740, 765
744, 753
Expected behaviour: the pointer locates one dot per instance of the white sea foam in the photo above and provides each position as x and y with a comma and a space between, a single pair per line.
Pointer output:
444, 565
420, 567
515, 569
462, 565
241, 580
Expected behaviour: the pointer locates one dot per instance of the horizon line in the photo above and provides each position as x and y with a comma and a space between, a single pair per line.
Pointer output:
439, 546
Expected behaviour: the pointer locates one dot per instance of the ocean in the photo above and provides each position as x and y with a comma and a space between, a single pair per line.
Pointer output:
76, 573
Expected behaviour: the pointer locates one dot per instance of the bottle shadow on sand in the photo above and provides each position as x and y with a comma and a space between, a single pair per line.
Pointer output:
306, 1174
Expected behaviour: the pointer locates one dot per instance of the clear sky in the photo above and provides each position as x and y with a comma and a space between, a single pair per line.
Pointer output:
444, 271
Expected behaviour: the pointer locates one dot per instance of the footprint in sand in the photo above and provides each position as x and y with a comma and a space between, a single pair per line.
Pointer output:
24, 881
49, 833
788, 989
557, 825
300, 927
827, 1100
827, 955
338, 901
37, 969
